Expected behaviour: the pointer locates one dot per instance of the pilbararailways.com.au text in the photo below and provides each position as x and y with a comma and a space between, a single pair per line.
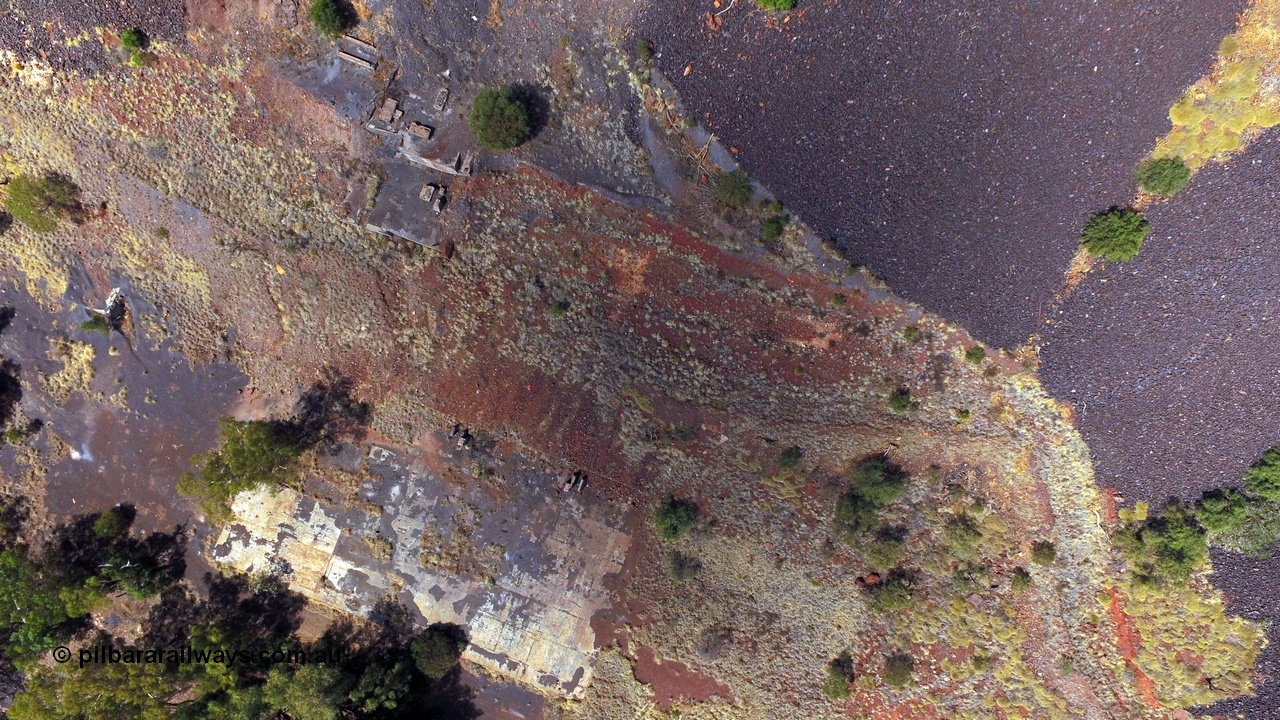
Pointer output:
107, 654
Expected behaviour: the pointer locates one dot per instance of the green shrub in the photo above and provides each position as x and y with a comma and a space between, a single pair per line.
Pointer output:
1255, 533
900, 401
644, 50
878, 479
558, 308
435, 651
1116, 234
1044, 553
332, 17
40, 202
961, 536
249, 455
911, 333
1166, 548
854, 514
839, 299
981, 663
1163, 176
790, 458
1263, 478
898, 669
840, 672
889, 594
1222, 510
777, 5
499, 120
674, 516
96, 324
20, 432
111, 524
1020, 580
134, 39
733, 189
975, 354
773, 227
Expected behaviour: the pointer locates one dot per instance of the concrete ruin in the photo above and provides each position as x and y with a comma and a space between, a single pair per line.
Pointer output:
524, 576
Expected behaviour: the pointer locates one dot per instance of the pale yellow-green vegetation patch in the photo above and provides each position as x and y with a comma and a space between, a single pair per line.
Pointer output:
1222, 111
1191, 649
77, 369
165, 275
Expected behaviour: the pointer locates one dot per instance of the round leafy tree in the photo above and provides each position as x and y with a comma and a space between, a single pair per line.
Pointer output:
499, 120
331, 17
733, 189
1116, 234
1163, 176
777, 5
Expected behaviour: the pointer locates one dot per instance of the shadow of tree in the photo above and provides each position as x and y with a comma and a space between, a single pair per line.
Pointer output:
326, 413
534, 99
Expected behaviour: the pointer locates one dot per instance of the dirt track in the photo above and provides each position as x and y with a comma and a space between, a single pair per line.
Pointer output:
953, 147
1171, 360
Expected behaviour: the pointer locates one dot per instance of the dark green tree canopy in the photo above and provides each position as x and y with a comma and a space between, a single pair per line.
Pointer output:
499, 120
1163, 176
1116, 234
332, 17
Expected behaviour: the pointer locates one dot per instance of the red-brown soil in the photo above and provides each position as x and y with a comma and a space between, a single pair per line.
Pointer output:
956, 148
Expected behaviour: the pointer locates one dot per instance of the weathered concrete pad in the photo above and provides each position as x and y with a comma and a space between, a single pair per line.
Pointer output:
524, 574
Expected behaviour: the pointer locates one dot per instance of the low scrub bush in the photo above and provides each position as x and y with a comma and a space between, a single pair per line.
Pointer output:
499, 120
878, 479
40, 202
134, 39
1252, 527
898, 670
900, 401
773, 227
962, 535
840, 672
975, 354
733, 189
890, 593
1263, 478
674, 516
1020, 580
1116, 234
777, 5
1163, 176
1044, 553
